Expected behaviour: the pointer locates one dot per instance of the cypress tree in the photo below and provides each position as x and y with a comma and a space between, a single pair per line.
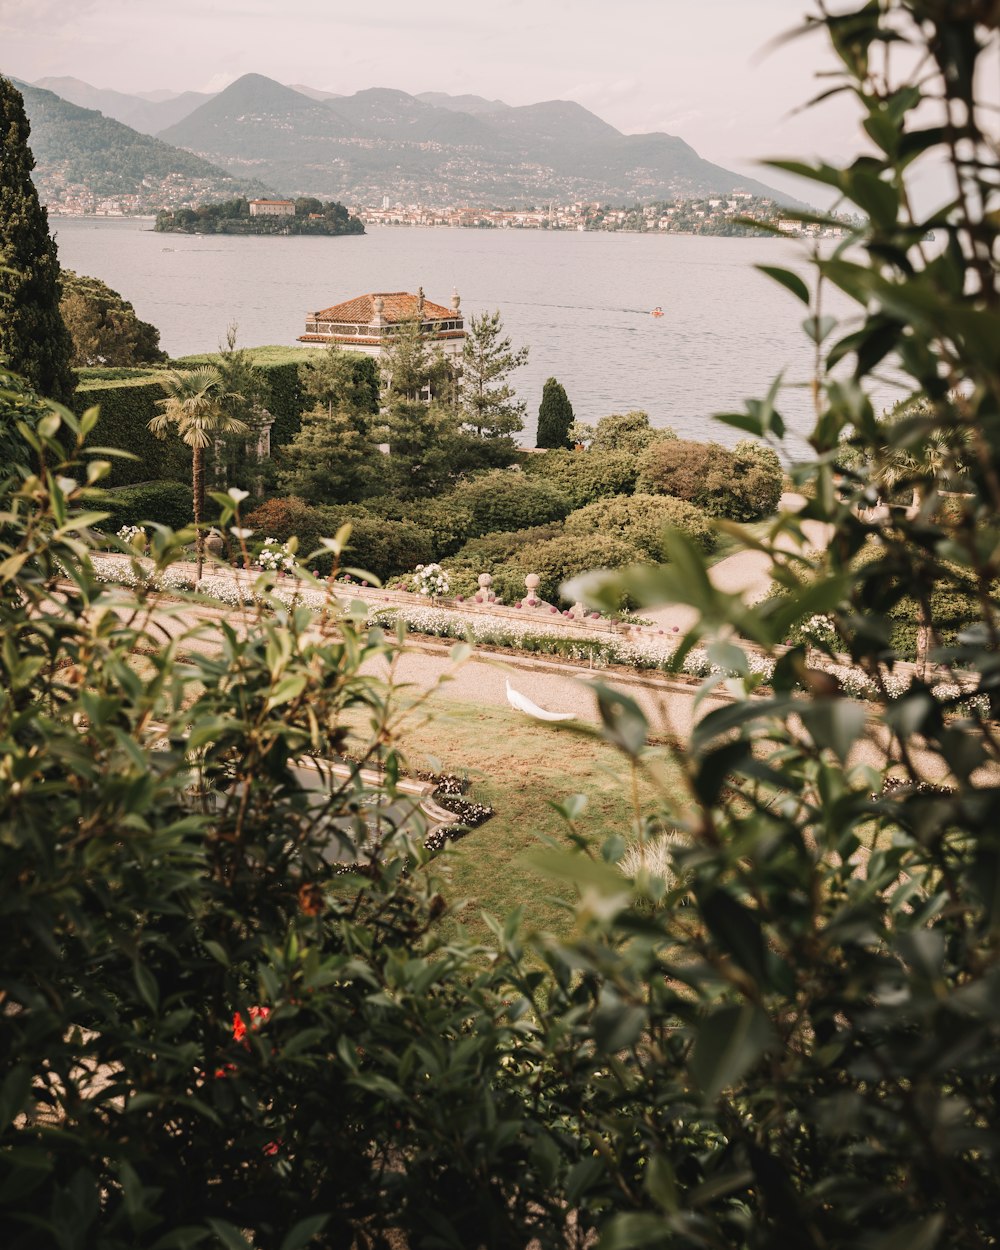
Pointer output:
34, 342
555, 416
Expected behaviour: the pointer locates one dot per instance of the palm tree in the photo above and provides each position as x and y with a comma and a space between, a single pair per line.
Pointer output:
195, 406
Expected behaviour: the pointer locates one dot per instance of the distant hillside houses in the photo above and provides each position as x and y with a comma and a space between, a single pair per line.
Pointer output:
732, 214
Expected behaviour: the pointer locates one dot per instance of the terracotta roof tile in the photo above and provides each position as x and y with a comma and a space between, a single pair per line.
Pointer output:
398, 306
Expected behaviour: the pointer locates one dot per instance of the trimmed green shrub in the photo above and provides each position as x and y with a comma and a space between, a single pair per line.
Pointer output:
484, 554
557, 559
446, 519
743, 484
506, 500
387, 548
165, 503
626, 431
379, 546
641, 519
584, 476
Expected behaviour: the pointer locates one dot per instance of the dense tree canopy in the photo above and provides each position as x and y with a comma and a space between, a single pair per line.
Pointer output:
104, 326
34, 342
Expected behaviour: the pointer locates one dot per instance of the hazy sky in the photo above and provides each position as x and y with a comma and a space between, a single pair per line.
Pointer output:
695, 68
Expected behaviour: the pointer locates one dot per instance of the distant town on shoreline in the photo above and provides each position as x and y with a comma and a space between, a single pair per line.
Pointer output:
736, 214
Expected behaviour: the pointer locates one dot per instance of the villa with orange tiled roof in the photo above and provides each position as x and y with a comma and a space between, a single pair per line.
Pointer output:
368, 322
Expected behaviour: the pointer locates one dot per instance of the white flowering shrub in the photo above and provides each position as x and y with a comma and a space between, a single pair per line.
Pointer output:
134, 535
820, 631
431, 580
275, 557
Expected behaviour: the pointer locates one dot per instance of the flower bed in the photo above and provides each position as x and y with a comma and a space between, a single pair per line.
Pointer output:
640, 652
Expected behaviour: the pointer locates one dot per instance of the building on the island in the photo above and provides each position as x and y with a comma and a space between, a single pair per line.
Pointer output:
367, 323
272, 208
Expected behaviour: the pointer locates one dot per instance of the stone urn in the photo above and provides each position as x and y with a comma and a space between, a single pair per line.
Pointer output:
486, 593
215, 545
532, 582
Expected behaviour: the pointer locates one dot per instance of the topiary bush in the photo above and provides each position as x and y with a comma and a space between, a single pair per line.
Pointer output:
743, 485
505, 499
165, 503
386, 548
447, 519
640, 521
483, 554
555, 560
584, 476
626, 431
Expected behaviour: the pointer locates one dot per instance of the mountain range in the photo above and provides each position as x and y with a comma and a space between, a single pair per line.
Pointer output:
433, 148
82, 156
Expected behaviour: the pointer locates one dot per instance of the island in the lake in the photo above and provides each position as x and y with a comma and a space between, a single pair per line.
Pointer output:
241, 216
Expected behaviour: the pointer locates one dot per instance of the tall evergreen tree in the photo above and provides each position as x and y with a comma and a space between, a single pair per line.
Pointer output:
487, 400
34, 342
555, 416
332, 459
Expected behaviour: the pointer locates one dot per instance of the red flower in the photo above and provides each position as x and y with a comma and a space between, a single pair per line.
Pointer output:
256, 1014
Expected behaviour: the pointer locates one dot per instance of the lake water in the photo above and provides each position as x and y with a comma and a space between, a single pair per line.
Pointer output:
580, 301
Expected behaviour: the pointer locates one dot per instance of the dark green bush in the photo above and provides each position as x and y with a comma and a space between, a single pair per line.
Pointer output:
127, 407
447, 519
383, 547
584, 476
641, 519
555, 560
387, 548
506, 499
483, 554
166, 503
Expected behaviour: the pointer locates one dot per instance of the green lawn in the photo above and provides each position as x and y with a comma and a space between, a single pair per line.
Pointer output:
521, 768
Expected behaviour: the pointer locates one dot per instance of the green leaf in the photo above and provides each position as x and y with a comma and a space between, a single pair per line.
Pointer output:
633, 1230
286, 690
304, 1232
737, 930
146, 983
789, 280
14, 1093
921, 1235
229, 1235
624, 720
834, 724
730, 1040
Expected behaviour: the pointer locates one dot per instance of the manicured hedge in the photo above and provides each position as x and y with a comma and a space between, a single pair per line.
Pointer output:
283, 391
483, 555
505, 499
583, 476
445, 518
641, 520
555, 560
127, 407
166, 503
383, 547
